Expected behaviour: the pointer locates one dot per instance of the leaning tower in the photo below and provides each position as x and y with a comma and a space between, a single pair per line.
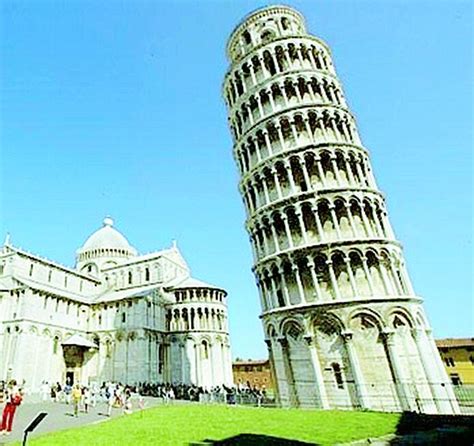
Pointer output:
343, 326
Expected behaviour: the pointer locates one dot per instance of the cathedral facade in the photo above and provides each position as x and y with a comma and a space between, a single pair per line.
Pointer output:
116, 316
343, 325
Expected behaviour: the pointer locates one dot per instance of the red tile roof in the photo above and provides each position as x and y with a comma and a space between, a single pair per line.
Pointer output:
453, 342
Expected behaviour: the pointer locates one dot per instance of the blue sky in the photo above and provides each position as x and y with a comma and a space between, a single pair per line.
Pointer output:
115, 108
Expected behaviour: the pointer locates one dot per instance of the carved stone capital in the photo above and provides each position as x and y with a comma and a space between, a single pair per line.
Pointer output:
347, 335
388, 336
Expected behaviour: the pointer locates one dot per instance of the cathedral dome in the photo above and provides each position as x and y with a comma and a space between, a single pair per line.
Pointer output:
104, 248
107, 237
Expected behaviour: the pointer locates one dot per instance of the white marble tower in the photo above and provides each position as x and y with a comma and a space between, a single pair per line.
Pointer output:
343, 325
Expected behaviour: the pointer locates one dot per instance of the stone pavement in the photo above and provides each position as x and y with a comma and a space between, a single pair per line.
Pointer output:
60, 416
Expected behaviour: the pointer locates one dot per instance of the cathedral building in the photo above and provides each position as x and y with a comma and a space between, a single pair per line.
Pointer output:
116, 316
343, 325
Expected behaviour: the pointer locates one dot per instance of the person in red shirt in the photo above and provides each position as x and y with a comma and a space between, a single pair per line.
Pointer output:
12, 401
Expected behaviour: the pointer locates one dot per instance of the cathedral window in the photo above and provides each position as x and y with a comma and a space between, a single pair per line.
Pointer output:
100, 319
108, 349
161, 358
336, 368
130, 277
247, 38
124, 318
205, 350
65, 281
31, 269
285, 23
49, 275
147, 274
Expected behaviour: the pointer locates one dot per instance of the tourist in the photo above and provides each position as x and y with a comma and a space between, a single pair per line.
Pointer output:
13, 399
110, 398
127, 401
86, 399
76, 396
67, 392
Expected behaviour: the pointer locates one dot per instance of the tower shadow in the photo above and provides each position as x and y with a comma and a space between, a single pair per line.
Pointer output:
427, 429
254, 440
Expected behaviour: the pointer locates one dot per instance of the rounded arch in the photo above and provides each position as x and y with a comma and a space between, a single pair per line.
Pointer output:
328, 323
368, 316
291, 323
420, 319
271, 331
398, 316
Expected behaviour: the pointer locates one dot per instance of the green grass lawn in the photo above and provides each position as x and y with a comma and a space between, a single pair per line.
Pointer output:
184, 424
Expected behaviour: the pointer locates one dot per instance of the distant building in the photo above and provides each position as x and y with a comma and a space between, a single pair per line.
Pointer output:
257, 373
116, 315
458, 358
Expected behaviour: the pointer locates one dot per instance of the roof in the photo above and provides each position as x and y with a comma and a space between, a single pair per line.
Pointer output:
54, 291
79, 341
15, 250
251, 362
112, 295
107, 237
455, 342
190, 282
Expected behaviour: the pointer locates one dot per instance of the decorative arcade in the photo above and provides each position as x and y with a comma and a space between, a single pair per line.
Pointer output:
343, 325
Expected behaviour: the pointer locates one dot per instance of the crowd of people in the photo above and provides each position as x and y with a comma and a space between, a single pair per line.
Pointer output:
125, 397
240, 394
83, 398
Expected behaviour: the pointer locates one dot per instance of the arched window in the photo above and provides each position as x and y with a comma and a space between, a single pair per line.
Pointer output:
55, 345
205, 350
147, 274
281, 300
31, 269
161, 358
336, 368
247, 38
266, 36
285, 23
124, 318
130, 277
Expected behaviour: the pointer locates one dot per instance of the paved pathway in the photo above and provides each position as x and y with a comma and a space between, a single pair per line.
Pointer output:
60, 416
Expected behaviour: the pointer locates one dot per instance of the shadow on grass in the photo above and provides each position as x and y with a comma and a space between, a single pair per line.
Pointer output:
254, 440
424, 429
